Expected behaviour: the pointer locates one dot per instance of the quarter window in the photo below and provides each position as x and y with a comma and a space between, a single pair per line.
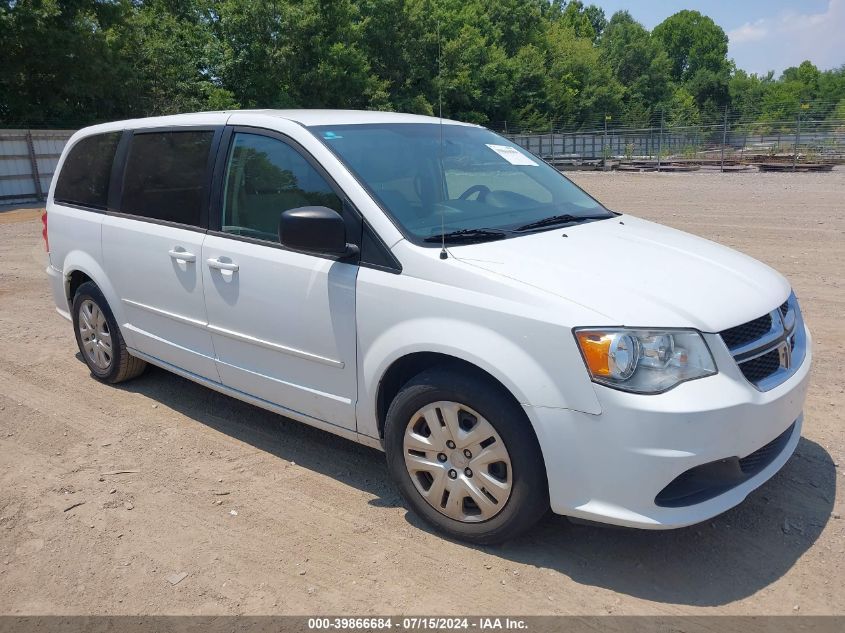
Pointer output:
166, 176
264, 177
86, 172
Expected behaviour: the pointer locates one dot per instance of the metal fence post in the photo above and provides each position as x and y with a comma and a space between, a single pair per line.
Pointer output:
724, 139
36, 177
660, 141
797, 139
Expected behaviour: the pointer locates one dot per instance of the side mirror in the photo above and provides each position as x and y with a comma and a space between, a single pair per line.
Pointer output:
315, 230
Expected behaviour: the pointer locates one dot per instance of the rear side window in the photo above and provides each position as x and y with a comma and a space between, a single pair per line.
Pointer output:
86, 172
166, 175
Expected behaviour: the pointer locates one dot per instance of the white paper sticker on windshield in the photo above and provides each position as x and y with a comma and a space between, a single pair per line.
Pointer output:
512, 155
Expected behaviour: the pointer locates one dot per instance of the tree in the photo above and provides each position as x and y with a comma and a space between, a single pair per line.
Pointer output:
832, 89
584, 21
255, 51
693, 42
530, 99
75, 62
284, 53
639, 63
168, 51
56, 63
697, 48
746, 94
681, 109
580, 86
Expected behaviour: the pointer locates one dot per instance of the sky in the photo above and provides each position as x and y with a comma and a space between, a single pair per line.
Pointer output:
763, 35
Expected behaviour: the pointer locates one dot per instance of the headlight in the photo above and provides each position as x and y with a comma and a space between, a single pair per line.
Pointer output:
644, 361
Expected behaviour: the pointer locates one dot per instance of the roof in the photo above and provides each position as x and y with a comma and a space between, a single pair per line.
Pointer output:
304, 117
351, 117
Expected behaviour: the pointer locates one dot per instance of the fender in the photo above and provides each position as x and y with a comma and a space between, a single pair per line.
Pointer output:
81, 261
527, 380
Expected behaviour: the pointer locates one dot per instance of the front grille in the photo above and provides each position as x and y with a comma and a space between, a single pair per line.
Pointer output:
747, 332
761, 367
768, 349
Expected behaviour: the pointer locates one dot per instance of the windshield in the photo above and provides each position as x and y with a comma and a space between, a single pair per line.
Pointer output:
474, 180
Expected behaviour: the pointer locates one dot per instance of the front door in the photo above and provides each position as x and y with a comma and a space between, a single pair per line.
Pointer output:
282, 322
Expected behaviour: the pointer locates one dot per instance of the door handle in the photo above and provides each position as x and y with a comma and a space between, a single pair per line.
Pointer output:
182, 256
216, 263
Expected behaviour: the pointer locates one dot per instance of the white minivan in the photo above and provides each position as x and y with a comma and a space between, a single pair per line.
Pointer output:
428, 288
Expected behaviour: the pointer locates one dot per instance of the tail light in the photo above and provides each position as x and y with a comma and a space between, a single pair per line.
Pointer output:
44, 230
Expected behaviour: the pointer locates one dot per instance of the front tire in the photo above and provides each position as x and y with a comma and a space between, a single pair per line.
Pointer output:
99, 339
465, 457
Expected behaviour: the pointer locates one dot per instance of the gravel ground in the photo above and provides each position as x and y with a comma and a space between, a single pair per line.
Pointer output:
265, 515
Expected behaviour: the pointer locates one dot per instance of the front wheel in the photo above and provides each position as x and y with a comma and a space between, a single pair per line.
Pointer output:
465, 457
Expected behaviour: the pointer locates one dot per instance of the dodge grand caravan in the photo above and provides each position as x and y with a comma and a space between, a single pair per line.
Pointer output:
430, 289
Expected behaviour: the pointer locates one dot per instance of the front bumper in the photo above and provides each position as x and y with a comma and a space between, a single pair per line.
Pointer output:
610, 467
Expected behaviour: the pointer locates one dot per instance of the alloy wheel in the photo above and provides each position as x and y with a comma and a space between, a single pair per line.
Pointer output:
95, 336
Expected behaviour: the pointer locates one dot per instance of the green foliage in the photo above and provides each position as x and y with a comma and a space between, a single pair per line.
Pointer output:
694, 43
638, 63
171, 46
56, 60
697, 48
681, 109
577, 83
533, 64
587, 22
776, 102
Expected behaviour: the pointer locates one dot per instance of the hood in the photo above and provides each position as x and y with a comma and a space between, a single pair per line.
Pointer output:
637, 273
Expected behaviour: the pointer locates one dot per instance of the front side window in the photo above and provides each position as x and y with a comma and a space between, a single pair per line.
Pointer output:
265, 177
86, 172
166, 175
448, 178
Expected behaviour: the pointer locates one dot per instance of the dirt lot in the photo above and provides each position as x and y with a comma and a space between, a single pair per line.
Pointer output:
319, 529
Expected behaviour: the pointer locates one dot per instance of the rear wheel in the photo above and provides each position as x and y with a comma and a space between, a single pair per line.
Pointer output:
99, 339
465, 457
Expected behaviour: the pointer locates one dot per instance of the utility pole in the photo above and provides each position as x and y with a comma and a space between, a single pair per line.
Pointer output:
724, 138
604, 148
660, 140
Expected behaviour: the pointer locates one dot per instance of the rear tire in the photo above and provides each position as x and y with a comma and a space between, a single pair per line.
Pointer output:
489, 454
99, 339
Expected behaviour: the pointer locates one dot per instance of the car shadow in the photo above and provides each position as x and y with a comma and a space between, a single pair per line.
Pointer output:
725, 559
713, 563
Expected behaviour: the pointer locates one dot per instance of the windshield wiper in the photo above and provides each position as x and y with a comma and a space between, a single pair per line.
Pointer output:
467, 235
554, 220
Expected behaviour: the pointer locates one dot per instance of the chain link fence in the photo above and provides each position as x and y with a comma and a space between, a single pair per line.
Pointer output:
732, 144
